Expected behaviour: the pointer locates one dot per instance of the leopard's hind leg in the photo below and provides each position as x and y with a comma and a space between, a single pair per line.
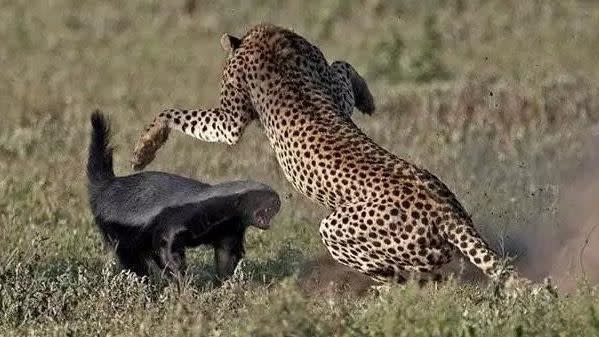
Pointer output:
380, 240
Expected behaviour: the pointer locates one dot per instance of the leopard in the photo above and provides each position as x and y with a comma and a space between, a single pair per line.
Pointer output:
388, 217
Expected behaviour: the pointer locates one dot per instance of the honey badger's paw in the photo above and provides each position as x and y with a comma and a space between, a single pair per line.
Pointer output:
149, 142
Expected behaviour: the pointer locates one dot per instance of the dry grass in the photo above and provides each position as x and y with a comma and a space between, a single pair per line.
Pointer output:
507, 131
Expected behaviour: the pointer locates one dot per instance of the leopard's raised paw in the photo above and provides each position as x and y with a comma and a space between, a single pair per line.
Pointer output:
148, 144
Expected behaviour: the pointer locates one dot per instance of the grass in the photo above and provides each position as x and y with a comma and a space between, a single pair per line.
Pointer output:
508, 125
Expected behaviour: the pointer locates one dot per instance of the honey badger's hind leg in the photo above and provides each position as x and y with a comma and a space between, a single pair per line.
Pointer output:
169, 254
381, 241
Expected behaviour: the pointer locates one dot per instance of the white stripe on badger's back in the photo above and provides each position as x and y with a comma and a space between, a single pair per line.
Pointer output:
137, 199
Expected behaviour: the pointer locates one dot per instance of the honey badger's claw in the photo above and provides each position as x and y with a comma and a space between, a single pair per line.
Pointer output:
147, 145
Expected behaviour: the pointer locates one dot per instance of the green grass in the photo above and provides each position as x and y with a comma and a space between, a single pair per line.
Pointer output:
499, 98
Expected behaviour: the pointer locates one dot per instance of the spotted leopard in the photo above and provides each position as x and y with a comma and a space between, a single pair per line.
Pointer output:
389, 217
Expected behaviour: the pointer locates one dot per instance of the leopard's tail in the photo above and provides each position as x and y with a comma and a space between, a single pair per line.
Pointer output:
461, 233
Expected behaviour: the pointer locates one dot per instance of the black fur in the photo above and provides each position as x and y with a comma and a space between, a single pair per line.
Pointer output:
150, 218
99, 163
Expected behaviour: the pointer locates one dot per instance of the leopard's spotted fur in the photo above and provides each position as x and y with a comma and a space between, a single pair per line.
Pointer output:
388, 216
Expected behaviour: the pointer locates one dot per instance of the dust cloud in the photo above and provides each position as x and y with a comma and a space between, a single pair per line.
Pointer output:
570, 252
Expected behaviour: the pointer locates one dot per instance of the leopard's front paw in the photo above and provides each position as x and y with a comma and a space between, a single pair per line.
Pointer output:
147, 145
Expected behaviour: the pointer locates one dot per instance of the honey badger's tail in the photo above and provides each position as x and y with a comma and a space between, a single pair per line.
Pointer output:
99, 163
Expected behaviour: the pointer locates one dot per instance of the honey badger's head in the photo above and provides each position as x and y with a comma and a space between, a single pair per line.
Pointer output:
258, 207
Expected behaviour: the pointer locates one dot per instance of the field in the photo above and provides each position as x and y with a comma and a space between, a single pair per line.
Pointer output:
499, 98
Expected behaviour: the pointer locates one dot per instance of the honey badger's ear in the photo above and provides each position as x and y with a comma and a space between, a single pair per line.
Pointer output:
229, 43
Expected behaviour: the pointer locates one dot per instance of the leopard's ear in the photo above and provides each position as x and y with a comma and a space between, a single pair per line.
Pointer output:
362, 96
229, 43
363, 99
